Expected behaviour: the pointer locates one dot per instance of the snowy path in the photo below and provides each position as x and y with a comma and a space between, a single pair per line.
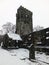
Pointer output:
42, 57
16, 57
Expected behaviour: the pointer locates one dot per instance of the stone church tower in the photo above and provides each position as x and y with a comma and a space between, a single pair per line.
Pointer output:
23, 21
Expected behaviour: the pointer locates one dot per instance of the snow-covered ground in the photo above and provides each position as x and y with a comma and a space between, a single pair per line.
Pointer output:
42, 58
20, 57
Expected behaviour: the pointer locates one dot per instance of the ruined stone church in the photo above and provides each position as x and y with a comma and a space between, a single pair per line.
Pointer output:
23, 21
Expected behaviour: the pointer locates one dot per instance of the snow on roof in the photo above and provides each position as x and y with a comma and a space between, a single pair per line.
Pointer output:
14, 36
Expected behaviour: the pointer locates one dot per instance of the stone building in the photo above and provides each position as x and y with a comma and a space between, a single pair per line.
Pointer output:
23, 21
11, 40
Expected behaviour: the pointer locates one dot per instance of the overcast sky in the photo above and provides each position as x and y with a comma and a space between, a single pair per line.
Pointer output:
40, 9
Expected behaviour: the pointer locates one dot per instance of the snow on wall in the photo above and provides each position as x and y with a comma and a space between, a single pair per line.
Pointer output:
47, 37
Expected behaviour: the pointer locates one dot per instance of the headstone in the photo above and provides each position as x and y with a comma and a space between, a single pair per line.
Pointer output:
31, 52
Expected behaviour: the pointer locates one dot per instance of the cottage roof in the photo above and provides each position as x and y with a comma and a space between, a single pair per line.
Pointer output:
14, 36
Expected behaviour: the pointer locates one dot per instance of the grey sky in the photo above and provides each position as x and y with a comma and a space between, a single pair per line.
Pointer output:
40, 9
